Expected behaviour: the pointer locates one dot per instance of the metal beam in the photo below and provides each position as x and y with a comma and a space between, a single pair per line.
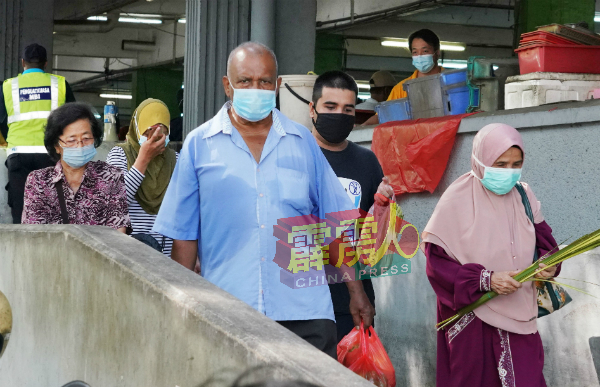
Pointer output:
81, 9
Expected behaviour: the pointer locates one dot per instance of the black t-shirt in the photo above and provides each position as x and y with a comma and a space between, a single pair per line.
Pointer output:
361, 165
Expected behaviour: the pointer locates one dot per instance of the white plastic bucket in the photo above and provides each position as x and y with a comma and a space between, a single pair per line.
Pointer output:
291, 106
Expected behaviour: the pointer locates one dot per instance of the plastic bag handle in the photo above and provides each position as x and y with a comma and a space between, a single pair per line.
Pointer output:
363, 339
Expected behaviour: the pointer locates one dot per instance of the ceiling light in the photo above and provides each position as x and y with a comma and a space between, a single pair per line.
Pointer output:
139, 20
116, 96
97, 18
399, 42
133, 18
597, 17
363, 85
395, 43
182, 21
449, 46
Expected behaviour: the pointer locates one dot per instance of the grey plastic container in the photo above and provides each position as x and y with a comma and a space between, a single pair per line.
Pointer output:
426, 96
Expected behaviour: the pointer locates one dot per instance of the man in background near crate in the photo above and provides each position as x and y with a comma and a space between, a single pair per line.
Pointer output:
425, 49
381, 83
332, 113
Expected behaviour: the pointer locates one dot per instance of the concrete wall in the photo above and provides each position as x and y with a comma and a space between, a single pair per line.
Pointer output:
90, 303
562, 153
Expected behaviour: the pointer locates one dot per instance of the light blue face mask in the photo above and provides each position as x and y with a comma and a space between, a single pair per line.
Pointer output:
423, 63
253, 104
499, 180
78, 157
143, 139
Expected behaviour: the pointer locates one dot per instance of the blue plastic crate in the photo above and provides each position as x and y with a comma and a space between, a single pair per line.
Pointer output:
454, 77
457, 100
394, 110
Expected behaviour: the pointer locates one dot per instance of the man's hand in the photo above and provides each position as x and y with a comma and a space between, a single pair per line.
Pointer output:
360, 306
547, 273
384, 189
503, 282
197, 268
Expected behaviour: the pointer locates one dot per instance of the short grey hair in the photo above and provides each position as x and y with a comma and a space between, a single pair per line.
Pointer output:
255, 48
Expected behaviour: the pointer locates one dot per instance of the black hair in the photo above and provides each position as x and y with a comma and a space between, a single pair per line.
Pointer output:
334, 80
64, 116
427, 35
35, 65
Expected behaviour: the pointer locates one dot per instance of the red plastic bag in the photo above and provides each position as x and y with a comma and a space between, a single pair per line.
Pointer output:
363, 353
414, 154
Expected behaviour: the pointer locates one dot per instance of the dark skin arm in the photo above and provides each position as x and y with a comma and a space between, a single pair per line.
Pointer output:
360, 306
185, 253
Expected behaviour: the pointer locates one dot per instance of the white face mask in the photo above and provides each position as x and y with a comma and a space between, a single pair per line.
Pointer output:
143, 139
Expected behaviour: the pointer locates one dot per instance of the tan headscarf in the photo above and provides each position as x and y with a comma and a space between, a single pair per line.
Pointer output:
151, 192
474, 225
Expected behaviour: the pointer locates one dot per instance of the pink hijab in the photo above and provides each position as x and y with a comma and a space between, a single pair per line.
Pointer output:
474, 225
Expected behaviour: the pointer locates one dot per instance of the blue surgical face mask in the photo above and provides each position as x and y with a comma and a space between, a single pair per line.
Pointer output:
499, 180
253, 104
78, 157
423, 63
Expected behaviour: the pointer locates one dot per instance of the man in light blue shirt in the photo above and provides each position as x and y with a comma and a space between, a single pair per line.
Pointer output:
237, 175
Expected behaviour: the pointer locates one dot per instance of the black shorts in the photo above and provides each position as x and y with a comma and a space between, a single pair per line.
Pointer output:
320, 333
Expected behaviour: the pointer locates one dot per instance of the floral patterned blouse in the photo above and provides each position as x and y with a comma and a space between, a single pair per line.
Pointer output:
101, 199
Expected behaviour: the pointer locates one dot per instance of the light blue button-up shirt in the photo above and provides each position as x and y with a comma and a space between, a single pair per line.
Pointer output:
219, 195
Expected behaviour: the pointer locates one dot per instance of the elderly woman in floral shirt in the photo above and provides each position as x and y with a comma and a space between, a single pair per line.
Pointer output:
76, 190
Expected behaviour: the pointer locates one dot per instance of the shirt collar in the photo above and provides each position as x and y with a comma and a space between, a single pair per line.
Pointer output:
58, 173
32, 71
222, 123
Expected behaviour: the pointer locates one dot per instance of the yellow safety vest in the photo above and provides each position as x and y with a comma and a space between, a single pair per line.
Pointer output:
29, 100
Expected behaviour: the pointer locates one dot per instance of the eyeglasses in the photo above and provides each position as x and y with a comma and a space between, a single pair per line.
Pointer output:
73, 143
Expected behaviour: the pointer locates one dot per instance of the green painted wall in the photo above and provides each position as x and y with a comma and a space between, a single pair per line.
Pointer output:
330, 53
159, 83
535, 13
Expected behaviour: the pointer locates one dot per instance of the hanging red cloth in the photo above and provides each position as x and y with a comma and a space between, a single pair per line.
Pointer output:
414, 154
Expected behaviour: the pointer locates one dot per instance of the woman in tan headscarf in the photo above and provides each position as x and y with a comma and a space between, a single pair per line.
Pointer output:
148, 165
477, 239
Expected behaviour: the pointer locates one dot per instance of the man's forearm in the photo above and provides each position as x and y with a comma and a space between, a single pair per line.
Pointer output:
185, 253
355, 287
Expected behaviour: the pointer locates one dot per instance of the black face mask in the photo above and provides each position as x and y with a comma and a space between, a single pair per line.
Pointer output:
334, 127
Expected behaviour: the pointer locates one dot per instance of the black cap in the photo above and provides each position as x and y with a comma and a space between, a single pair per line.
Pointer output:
34, 53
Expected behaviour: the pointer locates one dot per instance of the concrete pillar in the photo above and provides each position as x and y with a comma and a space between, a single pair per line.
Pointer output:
213, 29
23, 22
295, 31
262, 22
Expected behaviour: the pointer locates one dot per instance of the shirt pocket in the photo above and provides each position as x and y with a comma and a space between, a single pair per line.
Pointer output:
294, 190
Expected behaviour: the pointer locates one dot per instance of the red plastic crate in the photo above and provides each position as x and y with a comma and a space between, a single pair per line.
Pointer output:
547, 37
554, 58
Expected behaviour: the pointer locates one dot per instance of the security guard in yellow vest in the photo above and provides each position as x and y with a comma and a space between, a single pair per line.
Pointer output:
27, 102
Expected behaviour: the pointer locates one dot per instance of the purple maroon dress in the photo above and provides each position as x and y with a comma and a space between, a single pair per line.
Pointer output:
473, 353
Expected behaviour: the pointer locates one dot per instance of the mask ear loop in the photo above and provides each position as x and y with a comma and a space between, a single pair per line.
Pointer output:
480, 163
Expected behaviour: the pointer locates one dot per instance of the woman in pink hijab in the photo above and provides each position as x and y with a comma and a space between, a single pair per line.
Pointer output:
478, 237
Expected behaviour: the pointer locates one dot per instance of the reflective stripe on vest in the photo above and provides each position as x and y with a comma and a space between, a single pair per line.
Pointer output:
17, 116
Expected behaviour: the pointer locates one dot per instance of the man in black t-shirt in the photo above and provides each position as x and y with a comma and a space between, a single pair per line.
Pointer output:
359, 171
